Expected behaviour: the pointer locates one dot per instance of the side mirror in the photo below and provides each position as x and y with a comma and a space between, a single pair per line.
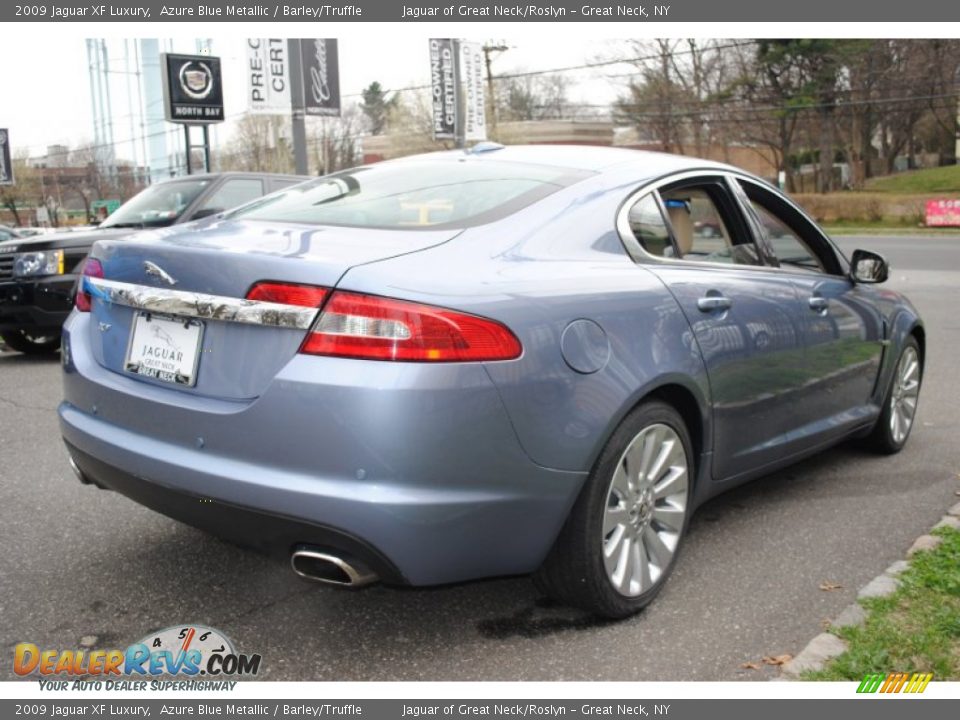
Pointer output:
868, 267
206, 212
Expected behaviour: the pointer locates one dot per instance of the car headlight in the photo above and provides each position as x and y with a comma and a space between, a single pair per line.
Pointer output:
46, 262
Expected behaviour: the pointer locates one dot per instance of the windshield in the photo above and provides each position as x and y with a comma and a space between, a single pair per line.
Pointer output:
414, 194
157, 206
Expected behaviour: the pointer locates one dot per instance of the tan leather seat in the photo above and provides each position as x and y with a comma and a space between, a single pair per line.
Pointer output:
682, 228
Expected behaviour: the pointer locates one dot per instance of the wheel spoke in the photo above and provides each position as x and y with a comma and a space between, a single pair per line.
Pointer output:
656, 471
621, 575
640, 567
640, 454
669, 516
621, 484
659, 553
675, 482
615, 517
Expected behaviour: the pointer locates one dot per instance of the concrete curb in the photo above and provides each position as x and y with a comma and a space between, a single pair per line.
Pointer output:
826, 646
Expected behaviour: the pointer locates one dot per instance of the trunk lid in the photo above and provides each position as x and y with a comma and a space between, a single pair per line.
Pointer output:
234, 360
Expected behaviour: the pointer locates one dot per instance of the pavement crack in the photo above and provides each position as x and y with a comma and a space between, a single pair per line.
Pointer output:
25, 406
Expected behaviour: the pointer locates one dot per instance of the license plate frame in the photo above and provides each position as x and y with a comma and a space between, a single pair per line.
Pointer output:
176, 347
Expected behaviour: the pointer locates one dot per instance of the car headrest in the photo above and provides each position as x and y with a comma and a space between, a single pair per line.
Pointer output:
679, 212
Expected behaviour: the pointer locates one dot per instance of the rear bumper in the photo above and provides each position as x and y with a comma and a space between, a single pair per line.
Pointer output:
263, 531
415, 471
41, 304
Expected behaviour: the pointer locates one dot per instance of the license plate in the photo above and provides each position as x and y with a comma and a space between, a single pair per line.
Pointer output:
165, 348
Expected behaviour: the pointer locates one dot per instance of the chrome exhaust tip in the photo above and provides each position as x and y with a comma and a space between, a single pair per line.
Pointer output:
78, 472
326, 568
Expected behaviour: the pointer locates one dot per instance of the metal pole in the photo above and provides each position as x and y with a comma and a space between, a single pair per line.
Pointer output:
206, 148
186, 137
299, 127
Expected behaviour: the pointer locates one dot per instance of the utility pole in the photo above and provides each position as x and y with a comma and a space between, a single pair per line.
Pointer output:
488, 55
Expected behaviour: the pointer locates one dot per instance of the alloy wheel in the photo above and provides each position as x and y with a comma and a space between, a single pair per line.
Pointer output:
645, 510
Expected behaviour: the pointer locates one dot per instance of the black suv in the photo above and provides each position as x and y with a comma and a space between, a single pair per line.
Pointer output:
37, 275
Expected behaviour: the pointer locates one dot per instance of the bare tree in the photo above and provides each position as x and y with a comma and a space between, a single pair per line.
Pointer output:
260, 143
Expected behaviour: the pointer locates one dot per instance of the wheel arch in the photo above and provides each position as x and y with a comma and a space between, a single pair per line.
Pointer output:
688, 399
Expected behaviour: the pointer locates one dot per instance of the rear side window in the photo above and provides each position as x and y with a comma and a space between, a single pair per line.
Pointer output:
649, 227
411, 195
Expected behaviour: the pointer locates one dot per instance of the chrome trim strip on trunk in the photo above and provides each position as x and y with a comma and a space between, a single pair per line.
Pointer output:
200, 305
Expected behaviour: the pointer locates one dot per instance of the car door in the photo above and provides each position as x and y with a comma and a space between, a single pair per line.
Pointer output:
744, 316
842, 328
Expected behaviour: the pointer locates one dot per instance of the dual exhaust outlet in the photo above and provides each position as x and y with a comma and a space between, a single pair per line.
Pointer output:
323, 566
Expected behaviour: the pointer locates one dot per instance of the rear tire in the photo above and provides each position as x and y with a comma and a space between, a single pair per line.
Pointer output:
31, 344
893, 427
622, 537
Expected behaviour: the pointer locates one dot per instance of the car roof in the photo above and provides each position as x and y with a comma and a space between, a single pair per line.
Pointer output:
593, 158
231, 173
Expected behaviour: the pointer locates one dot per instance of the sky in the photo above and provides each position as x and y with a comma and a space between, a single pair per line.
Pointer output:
51, 103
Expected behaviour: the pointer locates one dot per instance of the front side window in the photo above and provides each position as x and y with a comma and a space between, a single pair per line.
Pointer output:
231, 194
795, 241
415, 194
701, 231
787, 245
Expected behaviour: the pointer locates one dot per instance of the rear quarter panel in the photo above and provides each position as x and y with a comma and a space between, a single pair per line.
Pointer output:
537, 271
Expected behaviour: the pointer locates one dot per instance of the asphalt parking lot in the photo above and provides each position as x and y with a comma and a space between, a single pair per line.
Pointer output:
80, 562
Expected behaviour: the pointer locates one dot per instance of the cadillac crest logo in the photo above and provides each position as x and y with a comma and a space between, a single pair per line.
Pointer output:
196, 79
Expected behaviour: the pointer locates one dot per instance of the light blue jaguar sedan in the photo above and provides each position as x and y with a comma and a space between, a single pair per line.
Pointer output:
498, 361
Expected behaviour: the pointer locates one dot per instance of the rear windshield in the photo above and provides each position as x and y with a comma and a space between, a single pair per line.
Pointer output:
411, 194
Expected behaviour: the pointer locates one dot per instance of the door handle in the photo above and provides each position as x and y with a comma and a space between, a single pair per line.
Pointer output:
819, 304
711, 303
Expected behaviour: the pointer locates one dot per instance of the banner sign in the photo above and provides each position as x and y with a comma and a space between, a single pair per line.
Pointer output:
443, 88
321, 77
6, 161
943, 213
192, 88
268, 76
471, 70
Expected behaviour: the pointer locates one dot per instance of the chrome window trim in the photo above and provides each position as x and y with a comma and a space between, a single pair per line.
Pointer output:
200, 305
623, 225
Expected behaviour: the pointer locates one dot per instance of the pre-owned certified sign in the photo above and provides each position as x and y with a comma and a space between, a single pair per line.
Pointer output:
6, 162
192, 88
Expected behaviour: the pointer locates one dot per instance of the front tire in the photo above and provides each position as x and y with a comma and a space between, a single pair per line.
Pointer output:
893, 427
31, 344
620, 543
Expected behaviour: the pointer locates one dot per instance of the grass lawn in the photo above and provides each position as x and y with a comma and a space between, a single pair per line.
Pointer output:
917, 629
930, 180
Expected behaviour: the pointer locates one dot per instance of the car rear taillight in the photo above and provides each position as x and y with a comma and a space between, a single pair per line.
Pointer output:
91, 268
288, 294
376, 328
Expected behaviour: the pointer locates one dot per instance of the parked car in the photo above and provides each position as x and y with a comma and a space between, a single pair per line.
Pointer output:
38, 275
481, 363
8, 233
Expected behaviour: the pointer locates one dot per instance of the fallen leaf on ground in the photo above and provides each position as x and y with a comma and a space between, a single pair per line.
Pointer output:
777, 659
751, 666
827, 586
